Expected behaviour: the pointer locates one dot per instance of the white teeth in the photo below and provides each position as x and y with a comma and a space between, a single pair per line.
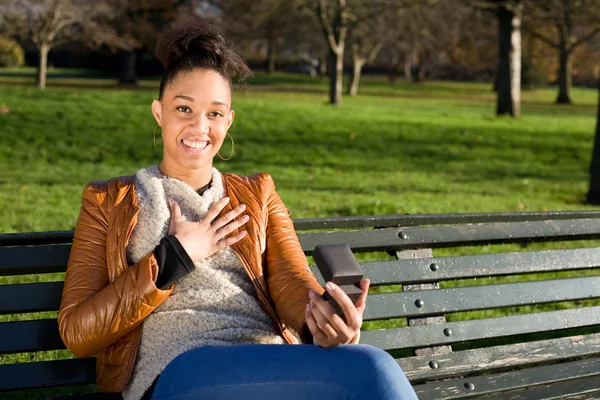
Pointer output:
195, 145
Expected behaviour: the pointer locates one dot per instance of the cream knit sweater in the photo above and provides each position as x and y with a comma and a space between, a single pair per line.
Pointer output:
216, 304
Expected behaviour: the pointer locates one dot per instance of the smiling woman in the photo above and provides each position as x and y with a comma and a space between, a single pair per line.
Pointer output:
195, 113
185, 280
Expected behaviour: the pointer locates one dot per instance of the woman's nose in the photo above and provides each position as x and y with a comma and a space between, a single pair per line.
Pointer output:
202, 124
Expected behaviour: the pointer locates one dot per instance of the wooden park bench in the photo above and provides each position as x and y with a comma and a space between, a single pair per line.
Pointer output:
442, 324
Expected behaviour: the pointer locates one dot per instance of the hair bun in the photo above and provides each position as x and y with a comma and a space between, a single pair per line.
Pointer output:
190, 37
190, 43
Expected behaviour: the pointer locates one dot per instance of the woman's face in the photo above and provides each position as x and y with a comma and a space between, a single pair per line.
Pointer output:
195, 114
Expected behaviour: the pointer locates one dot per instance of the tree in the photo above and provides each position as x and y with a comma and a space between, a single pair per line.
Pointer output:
128, 26
46, 23
272, 22
334, 17
575, 22
593, 194
509, 14
508, 78
362, 52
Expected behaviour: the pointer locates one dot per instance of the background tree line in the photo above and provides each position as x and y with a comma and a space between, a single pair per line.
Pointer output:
538, 42
512, 44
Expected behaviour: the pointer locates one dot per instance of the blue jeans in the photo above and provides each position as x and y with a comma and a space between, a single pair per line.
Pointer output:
289, 372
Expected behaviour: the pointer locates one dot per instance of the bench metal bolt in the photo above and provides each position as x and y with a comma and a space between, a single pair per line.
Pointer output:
402, 235
433, 365
434, 267
469, 386
419, 303
448, 332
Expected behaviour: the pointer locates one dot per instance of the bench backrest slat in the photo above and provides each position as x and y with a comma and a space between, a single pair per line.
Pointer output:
21, 260
469, 298
454, 332
30, 297
392, 220
454, 235
50, 373
476, 266
38, 335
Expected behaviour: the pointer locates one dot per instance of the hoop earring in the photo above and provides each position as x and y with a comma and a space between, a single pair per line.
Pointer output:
154, 137
232, 148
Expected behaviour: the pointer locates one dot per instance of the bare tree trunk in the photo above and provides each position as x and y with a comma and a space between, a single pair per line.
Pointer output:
336, 75
43, 66
127, 68
335, 34
509, 61
323, 66
593, 194
564, 76
355, 77
271, 56
408, 67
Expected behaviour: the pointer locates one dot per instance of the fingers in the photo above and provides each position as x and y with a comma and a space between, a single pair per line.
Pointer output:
175, 216
227, 218
348, 308
232, 226
328, 320
361, 303
216, 209
323, 322
228, 241
318, 335
353, 316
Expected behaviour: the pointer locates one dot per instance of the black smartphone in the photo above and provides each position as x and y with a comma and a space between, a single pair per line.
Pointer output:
338, 265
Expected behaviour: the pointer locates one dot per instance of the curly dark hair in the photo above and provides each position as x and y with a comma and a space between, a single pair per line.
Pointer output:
190, 43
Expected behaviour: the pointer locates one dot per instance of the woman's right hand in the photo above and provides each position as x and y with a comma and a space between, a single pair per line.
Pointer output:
203, 238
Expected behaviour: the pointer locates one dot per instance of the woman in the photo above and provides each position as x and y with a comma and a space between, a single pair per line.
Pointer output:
185, 282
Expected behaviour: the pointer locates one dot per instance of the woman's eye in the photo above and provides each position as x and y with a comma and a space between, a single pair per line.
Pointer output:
215, 114
184, 109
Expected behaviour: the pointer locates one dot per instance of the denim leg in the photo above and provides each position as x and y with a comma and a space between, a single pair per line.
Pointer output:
289, 372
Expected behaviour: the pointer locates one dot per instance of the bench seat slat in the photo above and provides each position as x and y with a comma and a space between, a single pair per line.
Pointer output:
47, 373
495, 358
30, 297
433, 335
22, 336
455, 235
578, 389
348, 222
503, 382
406, 304
412, 271
33, 259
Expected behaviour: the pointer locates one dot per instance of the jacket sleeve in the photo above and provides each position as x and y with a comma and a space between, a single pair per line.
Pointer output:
288, 276
95, 312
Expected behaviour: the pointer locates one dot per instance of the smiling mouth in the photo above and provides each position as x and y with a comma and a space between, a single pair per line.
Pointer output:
194, 144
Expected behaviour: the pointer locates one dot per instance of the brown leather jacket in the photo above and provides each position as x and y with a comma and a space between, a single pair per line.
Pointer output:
105, 300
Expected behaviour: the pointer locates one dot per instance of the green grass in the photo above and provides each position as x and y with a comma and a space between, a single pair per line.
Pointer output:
404, 151
430, 148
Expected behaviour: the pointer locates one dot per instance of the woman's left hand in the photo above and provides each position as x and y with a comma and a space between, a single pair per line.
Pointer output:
327, 327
